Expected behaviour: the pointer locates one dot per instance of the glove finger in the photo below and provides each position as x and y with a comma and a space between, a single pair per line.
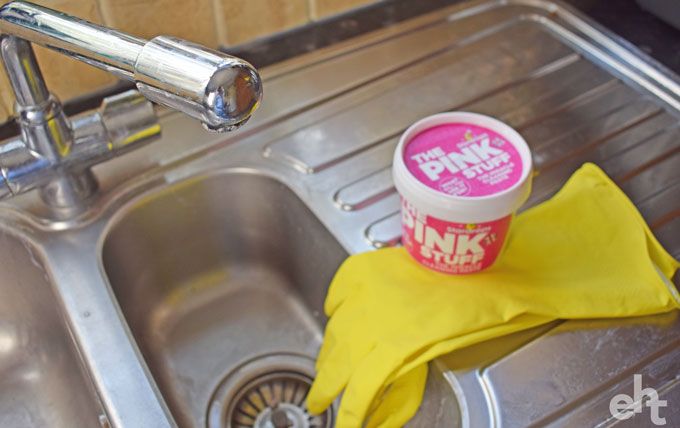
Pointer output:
401, 401
346, 335
333, 371
346, 343
522, 322
365, 384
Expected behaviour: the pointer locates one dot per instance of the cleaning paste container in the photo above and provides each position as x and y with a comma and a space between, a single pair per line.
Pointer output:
461, 177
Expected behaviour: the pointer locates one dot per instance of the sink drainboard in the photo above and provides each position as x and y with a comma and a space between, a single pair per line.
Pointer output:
231, 257
267, 392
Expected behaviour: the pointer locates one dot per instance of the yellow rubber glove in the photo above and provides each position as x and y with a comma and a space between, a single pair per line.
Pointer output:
586, 253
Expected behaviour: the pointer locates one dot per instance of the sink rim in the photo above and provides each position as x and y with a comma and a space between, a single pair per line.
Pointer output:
122, 205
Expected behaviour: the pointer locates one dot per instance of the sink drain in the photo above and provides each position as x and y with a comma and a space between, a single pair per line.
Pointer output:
267, 392
275, 400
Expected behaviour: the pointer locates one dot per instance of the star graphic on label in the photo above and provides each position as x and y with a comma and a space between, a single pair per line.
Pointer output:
471, 226
468, 135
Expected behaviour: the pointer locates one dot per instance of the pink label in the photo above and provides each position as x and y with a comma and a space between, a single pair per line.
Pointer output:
449, 247
463, 160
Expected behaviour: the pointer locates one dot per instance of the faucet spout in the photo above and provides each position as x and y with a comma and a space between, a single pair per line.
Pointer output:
218, 89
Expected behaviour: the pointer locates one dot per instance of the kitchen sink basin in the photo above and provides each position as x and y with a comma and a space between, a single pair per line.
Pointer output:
222, 281
42, 383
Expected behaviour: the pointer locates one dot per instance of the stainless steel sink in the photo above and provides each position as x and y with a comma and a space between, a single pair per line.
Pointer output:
216, 272
42, 382
194, 283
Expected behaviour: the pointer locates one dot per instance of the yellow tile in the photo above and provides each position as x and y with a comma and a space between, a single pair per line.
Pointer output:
323, 8
245, 20
6, 97
67, 77
4, 114
192, 20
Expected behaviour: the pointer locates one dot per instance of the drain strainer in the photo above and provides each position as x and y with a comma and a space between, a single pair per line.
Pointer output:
275, 400
267, 392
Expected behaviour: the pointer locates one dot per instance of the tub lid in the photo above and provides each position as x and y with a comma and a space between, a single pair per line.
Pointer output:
463, 167
462, 159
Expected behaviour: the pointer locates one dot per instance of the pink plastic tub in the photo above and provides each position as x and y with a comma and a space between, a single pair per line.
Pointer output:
461, 177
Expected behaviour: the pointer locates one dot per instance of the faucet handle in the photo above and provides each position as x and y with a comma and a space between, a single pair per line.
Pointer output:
220, 90
122, 123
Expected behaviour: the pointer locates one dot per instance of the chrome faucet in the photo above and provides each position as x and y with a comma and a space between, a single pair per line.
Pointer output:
54, 153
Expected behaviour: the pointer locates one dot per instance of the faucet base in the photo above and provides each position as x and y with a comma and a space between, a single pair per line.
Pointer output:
69, 190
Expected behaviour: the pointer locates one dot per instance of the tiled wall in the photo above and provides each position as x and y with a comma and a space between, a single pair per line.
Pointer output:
210, 22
